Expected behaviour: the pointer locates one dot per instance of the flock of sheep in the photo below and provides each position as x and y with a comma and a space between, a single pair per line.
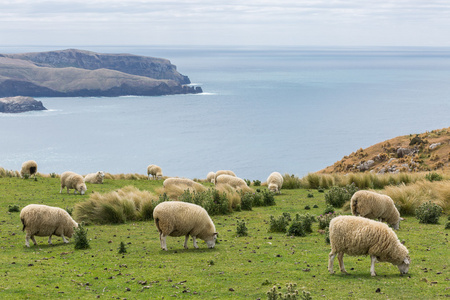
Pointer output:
352, 235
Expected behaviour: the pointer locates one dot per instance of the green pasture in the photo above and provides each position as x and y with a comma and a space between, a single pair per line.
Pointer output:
237, 268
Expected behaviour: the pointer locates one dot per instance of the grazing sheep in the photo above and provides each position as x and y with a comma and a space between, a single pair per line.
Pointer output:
360, 236
374, 206
43, 220
211, 177
235, 182
28, 168
96, 178
175, 218
74, 181
223, 172
275, 182
155, 171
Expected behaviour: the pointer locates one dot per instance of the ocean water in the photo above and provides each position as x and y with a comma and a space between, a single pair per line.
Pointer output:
291, 110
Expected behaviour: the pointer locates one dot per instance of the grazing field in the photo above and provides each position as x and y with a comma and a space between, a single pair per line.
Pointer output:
238, 267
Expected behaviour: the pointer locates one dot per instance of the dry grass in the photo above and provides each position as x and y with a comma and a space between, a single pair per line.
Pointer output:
8, 173
233, 195
175, 191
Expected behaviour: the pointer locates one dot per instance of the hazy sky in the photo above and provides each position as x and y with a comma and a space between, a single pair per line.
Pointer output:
227, 22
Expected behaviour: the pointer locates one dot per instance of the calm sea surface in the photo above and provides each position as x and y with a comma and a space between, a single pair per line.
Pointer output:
292, 110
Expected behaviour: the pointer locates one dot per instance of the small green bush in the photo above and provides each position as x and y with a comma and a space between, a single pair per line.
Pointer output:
257, 182
325, 219
279, 224
315, 206
53, 175
428, 213
248, 182
246, 201
327, 235
321, 190
13, 208
80, 236
241, 229
122, 248
337, 196
268, 198
447, 225
310, 195
69, 210
433, 176
328, 209
307, 207
291, 293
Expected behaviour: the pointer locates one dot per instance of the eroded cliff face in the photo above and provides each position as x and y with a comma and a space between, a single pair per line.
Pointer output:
71, 73
20, 104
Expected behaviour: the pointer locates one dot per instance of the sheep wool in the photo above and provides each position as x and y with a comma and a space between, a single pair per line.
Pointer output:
96, 178
28, 168
211, 177
43, 220
223, 172
275, 182
360, 236
176, 218
71, 180
155, 171
375, 206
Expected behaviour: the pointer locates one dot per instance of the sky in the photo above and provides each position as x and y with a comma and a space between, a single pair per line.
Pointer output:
227, 22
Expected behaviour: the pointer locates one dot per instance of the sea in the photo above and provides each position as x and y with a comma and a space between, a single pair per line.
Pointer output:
294, 110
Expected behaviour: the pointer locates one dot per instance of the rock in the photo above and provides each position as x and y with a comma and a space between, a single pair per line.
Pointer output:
20, 104
366, 165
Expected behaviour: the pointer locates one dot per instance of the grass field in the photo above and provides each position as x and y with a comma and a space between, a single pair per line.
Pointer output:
237, 268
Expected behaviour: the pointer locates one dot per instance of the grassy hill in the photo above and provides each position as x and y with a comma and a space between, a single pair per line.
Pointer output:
427, 152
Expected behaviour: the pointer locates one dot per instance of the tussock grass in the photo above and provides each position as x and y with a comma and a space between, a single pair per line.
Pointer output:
116, 207
134, 176
409, 197
8, 173
175, 191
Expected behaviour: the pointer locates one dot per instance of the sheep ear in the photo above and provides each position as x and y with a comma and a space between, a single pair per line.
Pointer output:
403, 242
407, 260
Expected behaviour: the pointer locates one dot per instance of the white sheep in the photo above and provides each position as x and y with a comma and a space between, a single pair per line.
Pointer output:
223, 172
275, 182
176, 218
375, 206
43, 220
28, 168
155, 171
96, 178
360, 236
211, 177
234, 182
74, 181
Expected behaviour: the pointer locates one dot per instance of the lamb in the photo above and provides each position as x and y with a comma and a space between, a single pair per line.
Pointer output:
211, 177
360, 236
29, 168
375, 206
74, 181
175, 218
96, 178
155, 171
235, 182
223, 172
275, 182
43, 220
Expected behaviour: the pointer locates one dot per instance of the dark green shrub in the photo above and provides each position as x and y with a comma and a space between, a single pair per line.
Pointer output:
246, 201
328, 209
428, 213
325, 219
337, 196
268, 198
296, 228
315, 206
310, 195
241, 229
447, 225
69, 210
433, 176
321, 190
307, 207
279, 224
257, 199
327, 235
122, 248
257, 182
13, 208
80, 237
53, 175
248, 182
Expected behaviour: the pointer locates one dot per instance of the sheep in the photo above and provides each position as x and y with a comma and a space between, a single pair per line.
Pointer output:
74, 181
360, 236
275, 182
176, 218
211, 177
235, 182
43, 220
28, 168
223, 172
96, 178
375, 206
155, 171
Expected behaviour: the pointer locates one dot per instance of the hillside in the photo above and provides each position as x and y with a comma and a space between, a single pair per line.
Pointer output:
409, 153
71, 73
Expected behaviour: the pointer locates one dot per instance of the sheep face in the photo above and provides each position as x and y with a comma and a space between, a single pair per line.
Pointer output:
273, 187
404, 266
396, 226
211, 241
81, 188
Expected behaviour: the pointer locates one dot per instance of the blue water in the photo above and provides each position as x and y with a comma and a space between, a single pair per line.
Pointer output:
292, 110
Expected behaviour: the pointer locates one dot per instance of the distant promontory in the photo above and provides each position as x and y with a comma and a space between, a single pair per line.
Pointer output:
79, 73
19, 104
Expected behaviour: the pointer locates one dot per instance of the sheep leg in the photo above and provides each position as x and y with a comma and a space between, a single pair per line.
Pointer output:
341, 262
162, 239
186, 241
60, 191
372, 265
195, 242
50, 239
68, 190
64, 239
27, 240
331, 261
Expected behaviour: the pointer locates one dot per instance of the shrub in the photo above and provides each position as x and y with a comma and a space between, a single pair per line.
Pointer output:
248, 182
268, 198
241, 229
301, 225
246, 201
291, 293
447, 225
69, 210
337, 196
327, 235
80, 236
328, 209
433, 176
325, 219
13, 208
310, 195
315, 206
122, 248
307, 207
428, 213
280, 224
53, 175
257, 182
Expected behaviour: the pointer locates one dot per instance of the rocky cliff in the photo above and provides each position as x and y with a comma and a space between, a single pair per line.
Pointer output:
82, 73
19, 104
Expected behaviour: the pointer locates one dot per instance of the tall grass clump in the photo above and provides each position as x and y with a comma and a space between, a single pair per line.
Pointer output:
8, 173
313, 180
291, 182
174, 191
126, 204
